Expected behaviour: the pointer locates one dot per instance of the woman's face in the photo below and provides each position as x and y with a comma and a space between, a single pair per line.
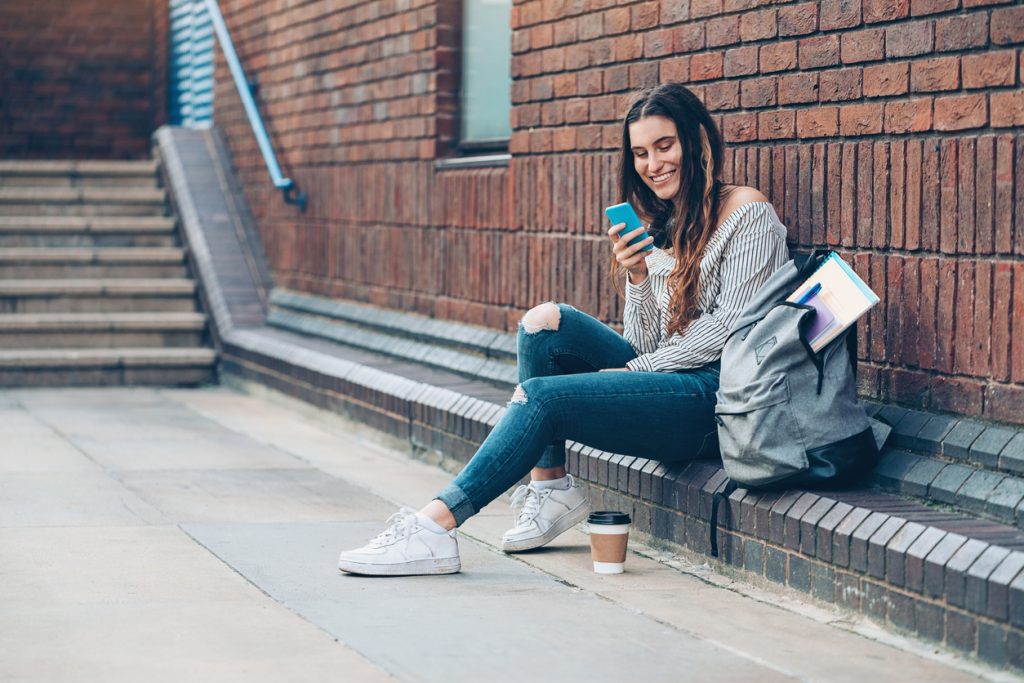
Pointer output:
656, 154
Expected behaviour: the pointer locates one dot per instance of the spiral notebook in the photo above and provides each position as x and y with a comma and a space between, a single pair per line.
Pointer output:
842, 299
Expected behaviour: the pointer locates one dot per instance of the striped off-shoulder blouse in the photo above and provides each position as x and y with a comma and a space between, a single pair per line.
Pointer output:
748, 247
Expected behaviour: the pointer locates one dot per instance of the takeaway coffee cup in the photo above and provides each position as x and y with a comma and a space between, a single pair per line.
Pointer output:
609, 533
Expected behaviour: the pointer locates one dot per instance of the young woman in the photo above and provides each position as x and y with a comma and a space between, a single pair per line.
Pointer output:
650, 393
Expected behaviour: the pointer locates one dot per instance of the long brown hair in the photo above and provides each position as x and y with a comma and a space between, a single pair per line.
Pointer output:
687, 221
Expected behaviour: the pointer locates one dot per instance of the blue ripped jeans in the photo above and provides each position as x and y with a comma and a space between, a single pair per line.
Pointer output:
666, 416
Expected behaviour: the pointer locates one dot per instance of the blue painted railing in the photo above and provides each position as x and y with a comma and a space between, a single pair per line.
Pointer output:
292, 195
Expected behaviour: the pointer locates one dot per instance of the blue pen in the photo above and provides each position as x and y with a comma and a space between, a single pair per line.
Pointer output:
809, 294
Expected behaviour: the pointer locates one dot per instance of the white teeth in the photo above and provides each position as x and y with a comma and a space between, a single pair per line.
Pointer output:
663, 176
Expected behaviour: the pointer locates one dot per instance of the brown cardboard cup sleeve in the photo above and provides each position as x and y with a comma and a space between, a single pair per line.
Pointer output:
609, 535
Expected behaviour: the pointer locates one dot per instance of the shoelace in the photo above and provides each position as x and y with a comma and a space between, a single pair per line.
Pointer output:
398, 526
526, 502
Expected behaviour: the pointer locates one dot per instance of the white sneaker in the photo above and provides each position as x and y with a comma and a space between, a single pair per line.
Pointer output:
541, 514
404, 548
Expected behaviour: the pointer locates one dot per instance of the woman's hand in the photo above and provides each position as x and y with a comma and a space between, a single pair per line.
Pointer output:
630, 257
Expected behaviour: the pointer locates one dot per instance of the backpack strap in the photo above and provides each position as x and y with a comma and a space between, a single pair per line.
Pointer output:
716, 501
805, 264
851, 348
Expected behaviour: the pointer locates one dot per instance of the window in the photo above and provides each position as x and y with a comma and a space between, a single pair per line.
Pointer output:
486, 79
486, 76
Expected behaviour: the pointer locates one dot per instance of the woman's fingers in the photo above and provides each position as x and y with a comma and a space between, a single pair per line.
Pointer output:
622, 244
642, 244
625, 251
625, 237
630, 256
633, 234
613, 232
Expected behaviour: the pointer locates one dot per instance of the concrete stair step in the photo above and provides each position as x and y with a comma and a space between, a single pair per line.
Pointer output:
473, 352
82, 195
995, 495
73, 167
477, 340
93, 282
80, 262
955, 439
99, 231
100, 330
97, 295
107, 367
78, 174
88, 201
470, 365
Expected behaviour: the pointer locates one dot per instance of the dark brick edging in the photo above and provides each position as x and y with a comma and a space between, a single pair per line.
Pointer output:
946, 577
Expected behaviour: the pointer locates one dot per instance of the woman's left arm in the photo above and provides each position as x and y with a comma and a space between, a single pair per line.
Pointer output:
751, 256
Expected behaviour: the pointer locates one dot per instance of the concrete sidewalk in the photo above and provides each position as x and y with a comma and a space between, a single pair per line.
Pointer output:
174, 535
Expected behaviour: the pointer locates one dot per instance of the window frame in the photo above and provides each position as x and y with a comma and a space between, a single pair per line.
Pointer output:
459, 153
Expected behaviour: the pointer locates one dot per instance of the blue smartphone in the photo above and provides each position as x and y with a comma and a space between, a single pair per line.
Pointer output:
624, 213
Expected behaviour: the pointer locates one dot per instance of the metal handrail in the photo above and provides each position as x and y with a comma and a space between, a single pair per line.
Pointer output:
292, 195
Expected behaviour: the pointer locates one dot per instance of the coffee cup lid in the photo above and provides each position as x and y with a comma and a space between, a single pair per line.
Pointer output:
608, 517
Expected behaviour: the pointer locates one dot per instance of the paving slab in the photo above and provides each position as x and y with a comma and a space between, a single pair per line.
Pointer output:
368, 460
98, 418
148, 603
108, 567
262, 495
216, 451
492, 612
78, 498
17, 421
257, 642
42, 452
37, 400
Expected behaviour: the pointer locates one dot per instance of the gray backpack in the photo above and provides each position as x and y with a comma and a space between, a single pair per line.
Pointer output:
789, 417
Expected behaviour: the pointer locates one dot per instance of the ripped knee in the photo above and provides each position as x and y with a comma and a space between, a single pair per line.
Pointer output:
546, 316
519, 396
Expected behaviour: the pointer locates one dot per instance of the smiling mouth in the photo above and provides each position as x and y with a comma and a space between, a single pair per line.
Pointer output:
657, 179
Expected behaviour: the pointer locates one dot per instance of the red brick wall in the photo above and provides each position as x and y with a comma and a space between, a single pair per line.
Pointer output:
892, 130
81, 78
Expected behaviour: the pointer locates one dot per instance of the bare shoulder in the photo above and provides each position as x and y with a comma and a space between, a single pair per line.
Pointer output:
741, 194
738, 196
